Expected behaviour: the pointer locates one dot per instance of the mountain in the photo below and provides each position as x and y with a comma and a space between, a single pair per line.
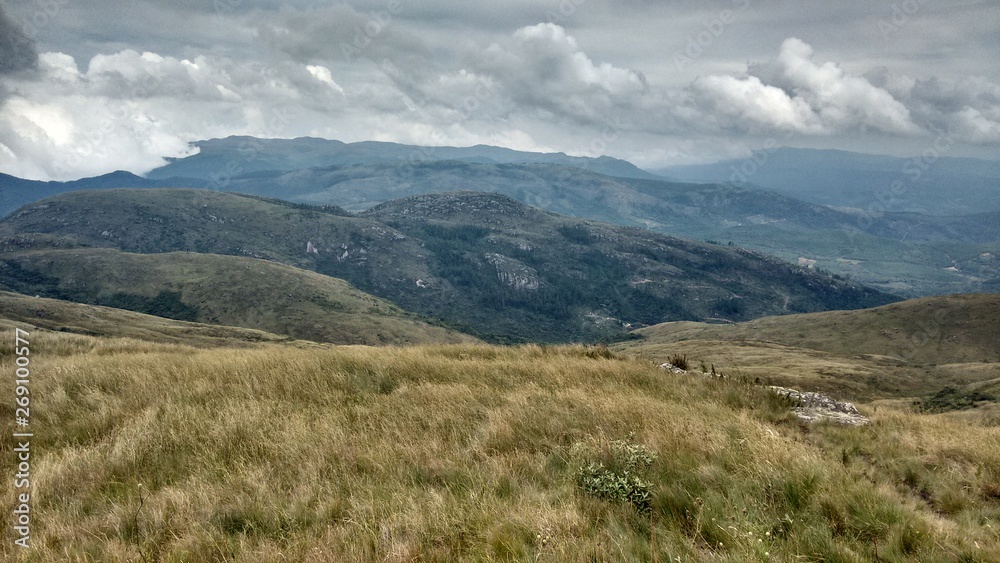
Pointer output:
910, 253
903, 349
483, 262
221, 160
931, 184
905, 252
220, 290
947, 329
16, 192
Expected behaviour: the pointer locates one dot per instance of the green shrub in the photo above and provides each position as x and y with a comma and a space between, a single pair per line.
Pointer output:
624, 488
617, 474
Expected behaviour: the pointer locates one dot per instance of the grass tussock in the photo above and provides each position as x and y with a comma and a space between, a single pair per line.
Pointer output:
149, 452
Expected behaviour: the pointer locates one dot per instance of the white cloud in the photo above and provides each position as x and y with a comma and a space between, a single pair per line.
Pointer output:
749, 103
324, 75
547, 52
968, 109
131, 110
794, 93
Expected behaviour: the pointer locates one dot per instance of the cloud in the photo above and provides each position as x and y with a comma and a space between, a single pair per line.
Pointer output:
749, 104
968, 108
323, 74
342, 34
537, 87
539, 70
17, 53
796, 94
17, 50
130, 110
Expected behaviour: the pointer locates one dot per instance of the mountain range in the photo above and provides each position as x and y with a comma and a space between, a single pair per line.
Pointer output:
930, 183
480, 262
902, 251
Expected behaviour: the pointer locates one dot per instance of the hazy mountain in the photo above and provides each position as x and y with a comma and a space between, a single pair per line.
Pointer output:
16, 192
482, 261
934, 184
910, 253
221, 160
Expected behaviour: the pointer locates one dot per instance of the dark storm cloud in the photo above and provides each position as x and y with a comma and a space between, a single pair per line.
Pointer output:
17, 50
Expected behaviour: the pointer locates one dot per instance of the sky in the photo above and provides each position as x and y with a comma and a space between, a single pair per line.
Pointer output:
92, 86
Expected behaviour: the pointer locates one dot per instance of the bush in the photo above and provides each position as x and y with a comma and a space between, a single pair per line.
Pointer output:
616, 474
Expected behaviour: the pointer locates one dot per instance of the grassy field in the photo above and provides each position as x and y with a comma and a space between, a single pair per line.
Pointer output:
165, 452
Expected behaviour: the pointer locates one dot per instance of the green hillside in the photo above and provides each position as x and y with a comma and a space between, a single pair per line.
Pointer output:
484, 262
221, 290
33, 313
913, 254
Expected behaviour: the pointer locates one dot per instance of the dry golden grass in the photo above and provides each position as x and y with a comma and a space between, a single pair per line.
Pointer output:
153, 452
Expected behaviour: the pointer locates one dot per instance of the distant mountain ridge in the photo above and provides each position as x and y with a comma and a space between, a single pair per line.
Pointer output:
16, 192
220, 160
931, 184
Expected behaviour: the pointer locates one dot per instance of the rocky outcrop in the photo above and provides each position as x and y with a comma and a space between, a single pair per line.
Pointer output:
816, 407
808, 406
513, 273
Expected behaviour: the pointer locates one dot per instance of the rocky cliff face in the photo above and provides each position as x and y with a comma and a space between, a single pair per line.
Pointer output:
514, 273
